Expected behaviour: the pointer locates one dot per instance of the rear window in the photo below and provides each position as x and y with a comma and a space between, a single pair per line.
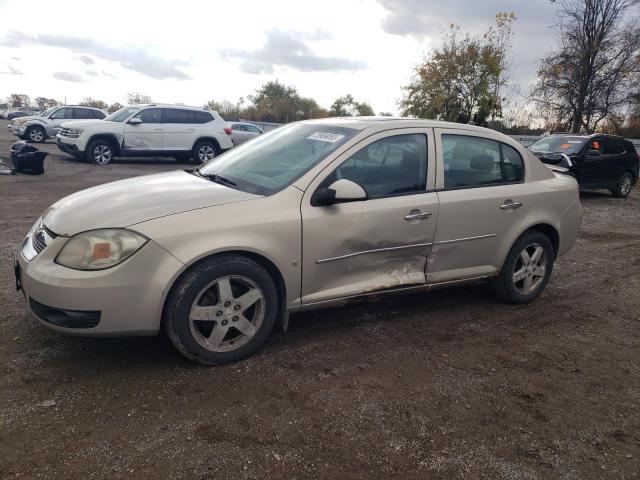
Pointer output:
558, 144
178, 115
202, 117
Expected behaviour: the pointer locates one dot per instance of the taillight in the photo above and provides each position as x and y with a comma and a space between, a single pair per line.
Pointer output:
227, 130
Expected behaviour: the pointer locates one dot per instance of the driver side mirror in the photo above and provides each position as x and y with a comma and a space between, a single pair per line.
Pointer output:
340, 191
135, 121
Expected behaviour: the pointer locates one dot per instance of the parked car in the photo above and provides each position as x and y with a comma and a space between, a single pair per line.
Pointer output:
314, 214
148, 130
38, 128
243, 131
17, 114
597, 161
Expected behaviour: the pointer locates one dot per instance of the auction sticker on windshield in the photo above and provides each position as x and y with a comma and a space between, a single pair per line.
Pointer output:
326, 137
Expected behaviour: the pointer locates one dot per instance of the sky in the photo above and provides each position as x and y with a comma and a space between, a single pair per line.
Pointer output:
194, 51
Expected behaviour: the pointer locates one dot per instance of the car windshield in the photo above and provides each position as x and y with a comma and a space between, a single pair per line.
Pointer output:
276, 159
558, 144
122, 114
47, 112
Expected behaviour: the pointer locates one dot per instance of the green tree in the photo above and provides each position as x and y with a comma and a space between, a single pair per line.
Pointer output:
114, 107
92, 102
462, 80
137, 98
347, 106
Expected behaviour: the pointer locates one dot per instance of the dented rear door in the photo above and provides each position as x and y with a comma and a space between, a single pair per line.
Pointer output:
380, 243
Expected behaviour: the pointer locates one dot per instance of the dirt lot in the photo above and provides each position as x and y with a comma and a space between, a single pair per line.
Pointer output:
448, 384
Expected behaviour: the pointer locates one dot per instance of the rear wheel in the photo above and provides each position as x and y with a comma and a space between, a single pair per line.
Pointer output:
36, 134
527, 269
624, 186
99, 152
203, 151
222, 310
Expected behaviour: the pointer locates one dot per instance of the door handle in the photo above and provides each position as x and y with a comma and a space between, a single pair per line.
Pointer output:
417, 216
510, 205
191, 129
157, 129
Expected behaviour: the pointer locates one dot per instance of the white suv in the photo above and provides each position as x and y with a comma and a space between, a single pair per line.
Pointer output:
148, 130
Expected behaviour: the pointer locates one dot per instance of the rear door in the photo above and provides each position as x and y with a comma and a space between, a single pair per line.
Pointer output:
179, 129
146, 136
481, 196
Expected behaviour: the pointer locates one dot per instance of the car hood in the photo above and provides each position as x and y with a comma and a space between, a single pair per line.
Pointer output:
21, 120
82, 123
134, 200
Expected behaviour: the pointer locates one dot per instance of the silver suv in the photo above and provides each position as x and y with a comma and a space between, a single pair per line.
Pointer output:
37, 128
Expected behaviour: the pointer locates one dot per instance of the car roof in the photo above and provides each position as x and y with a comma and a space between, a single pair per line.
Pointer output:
168, 105
362, 123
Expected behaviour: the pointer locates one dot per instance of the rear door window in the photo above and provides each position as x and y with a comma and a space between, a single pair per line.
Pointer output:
202, 117
178, 115
82, 114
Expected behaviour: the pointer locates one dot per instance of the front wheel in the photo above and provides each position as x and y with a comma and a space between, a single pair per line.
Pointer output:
222, 310
624, 186
527, 269
99, 152
36, 134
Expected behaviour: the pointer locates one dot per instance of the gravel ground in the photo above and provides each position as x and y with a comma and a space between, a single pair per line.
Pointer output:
446, 384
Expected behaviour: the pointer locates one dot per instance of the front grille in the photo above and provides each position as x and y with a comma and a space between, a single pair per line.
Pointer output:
65, 318
68, 132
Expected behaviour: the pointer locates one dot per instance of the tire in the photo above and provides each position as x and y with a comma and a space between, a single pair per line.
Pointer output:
624, 186
537, 273
36, 134
100, 152
204, 151
206, 317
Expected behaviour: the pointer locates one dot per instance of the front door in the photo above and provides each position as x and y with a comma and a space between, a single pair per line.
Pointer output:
481, 199
379, 243
146, 136
58, 117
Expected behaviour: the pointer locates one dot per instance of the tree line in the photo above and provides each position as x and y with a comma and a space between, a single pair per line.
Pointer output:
591, 81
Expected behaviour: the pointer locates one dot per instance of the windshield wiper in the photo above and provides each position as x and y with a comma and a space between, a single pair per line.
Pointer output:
214, 177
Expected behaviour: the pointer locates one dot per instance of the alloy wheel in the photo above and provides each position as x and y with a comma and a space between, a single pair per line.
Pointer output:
530, 269
227, 313
625, 186
102, 154
206, 153
36, 135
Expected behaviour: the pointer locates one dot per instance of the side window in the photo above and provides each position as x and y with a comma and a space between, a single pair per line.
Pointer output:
82, 114
177, 115
203, 117
470, 161
150, 115
238, 127
597, 144
98, 114
61, 114
390, 166
253, 129
512, 164
613, 147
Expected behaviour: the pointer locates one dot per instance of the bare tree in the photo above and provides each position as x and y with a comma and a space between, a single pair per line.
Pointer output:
590, 77
136, 98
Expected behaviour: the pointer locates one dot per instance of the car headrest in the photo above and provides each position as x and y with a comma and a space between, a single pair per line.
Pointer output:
483, 163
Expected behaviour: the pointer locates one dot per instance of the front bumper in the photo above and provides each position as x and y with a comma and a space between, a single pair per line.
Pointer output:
69, 145
124, 300
17, 130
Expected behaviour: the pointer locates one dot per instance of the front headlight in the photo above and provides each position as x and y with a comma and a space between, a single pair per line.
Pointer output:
100, 249
77, 131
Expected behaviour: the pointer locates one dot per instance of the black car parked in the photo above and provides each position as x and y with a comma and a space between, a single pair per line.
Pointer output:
597, 161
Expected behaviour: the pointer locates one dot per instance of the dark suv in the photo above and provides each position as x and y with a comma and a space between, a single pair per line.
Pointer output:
597, 161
